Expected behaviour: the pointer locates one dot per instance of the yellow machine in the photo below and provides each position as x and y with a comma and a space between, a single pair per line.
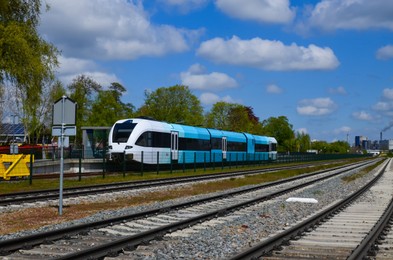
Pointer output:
14, 165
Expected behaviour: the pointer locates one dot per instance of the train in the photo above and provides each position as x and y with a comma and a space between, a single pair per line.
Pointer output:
148, 141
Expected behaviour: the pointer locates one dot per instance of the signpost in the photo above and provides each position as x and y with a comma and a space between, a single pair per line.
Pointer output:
64, 121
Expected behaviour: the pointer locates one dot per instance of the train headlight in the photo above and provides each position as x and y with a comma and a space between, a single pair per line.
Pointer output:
110, 147
128, 147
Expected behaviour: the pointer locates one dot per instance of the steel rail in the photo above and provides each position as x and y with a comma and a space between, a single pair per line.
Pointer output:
21, 197
282, 238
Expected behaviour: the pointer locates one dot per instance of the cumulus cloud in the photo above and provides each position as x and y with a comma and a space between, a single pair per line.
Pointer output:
316, 107
196, 78
302, 130
211, 98
351, 14
273, 89
265, 11
339, 90
184, 6
385, 105
342, 130
388, 93
70, 68
110, 30
268, 55
362, 115
385, 53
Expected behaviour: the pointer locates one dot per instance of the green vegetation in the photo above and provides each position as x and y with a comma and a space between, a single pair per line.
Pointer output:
39, 184
361, 173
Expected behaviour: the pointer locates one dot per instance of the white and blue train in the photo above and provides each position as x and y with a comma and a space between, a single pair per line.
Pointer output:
154, 142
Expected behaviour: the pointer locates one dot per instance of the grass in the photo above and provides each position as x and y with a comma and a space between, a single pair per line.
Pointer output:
42, 184
361, 173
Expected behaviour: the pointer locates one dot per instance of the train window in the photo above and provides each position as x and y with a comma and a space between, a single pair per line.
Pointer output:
216, 143
154, 139
236, 146
122, 131
274, 146
194, 144
261, 148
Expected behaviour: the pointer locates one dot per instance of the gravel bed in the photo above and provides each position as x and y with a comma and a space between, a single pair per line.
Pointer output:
256, 224
220, 241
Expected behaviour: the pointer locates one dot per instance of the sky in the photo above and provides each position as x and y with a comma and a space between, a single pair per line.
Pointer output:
325, 65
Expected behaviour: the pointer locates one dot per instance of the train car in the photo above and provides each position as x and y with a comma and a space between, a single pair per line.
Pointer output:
154, 142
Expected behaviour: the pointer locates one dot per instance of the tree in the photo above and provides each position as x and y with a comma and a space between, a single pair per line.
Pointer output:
26, 60
303, 142
83, 91
281, 129
233, 117
174, 104
108, 107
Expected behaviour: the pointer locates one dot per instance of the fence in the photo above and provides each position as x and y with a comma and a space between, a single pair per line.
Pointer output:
76, 161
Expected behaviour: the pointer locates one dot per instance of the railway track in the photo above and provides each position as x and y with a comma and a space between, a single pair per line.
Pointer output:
19, 198
350, 229
125, 233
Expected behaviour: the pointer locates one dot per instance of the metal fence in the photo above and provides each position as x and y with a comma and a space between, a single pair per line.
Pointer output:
81, 163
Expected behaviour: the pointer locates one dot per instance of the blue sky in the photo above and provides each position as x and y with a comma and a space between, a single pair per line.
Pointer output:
325, 65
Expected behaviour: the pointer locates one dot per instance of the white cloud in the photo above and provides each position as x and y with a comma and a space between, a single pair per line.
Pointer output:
117, 29
268, 55
70, 68
316, 107
266, 11
195, 78
352, 14
362, 115
385, 53
339, 90
210, 99
342, 130
388, 93
184, 6
302, 130
273, 89
382, 106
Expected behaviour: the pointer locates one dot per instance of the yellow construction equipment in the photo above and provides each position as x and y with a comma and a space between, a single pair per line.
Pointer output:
14, 165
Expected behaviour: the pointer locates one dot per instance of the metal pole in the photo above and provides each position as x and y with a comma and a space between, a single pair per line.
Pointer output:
61, 157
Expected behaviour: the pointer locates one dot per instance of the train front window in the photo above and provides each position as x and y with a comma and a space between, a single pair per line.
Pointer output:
122, 131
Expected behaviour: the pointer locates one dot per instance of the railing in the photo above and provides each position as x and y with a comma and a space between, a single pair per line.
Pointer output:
84, 162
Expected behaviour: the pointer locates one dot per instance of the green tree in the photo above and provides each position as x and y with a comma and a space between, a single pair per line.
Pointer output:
108, 108
303, 142
281, 129
233, 117
26, 60
174, 104
83, 90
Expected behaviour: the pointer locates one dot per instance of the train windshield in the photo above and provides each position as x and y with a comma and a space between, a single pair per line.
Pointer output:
122, 131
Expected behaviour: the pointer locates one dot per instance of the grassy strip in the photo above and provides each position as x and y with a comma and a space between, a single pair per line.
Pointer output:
42, 184
361, 173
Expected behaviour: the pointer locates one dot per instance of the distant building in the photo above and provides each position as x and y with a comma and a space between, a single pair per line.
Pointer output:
386, 145
359, 141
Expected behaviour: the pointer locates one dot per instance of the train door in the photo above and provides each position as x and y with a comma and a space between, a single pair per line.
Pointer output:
175, 145
224, 148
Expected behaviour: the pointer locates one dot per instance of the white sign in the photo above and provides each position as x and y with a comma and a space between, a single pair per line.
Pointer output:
68, 130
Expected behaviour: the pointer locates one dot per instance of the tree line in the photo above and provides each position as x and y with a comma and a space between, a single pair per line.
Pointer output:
28, 89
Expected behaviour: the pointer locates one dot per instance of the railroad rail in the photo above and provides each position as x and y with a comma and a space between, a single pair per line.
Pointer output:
345, 230
53, 194
132, 230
